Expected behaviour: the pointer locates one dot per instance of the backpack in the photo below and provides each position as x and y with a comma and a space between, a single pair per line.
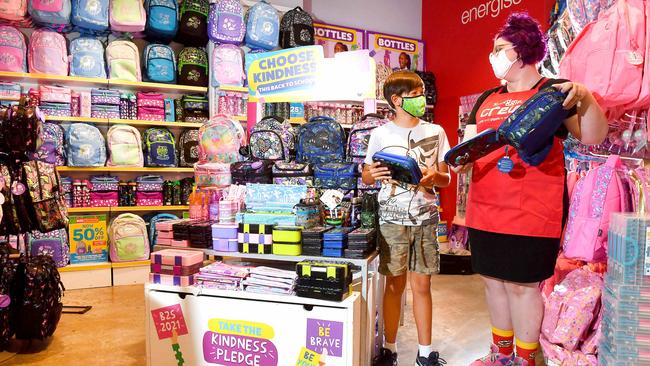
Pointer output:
151, 225
262, 26
360, 135
160, 63
193, 67
595, 197
583, 12
159, 148
124, 146
48, 53
127, 16
128, 239
52, 143
188, 148
90, 15
272, 138
19, 129
85, 145
382, 73
50, 12
45, 191
123, 61
320, 141
193, 29
162, 20
227, 66
220, 140
87, 58
13, 49
296, 29
54, 243
14, 11
226, 22
335, 176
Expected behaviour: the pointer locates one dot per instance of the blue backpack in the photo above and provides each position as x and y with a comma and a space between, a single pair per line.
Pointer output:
160, 63
262, 26
162, 19
90, 16
85, 145
151, 226
320, 141
159, 148
50, 13
87, 58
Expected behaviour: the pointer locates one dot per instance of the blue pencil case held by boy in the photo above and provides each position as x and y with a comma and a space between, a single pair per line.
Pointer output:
402, 168
474, 148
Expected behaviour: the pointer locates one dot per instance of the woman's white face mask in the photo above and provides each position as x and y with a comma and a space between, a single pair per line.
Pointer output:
501, 64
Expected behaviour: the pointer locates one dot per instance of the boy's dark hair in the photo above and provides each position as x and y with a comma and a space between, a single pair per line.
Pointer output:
401, 82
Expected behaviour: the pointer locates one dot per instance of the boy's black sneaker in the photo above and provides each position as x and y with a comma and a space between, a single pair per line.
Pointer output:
433, 360
386, 358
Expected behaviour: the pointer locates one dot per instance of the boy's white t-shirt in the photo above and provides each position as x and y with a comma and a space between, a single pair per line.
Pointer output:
398, 202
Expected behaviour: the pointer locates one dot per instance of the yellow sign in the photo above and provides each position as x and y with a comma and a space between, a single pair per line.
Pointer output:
241, 328
308, 358
88, 239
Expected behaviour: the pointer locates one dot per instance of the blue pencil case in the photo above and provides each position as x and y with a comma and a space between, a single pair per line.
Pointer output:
339, 233
334, 244
331, 252
402, 168
474, 148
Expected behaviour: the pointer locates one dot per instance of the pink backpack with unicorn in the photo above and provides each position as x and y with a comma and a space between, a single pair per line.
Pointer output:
595, 197
227, 65
48, 53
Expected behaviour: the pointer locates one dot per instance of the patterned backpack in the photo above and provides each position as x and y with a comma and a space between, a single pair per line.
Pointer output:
14, 11
162, 20
193, 29
262, 26
272, 138
124, 147
87, 58
127, 16
90, 16
583, 12
52, 142
193, 67
159, 147
123, 61
320, 141
383, 72
227, 66
50, 13
54, 243
220, 140
13, 50
85, 145
188, 148
360, 135
226, 22
48, 53
160, 63
296, 29
128, 239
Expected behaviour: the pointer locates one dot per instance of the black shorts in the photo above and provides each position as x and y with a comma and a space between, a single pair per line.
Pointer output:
513, 258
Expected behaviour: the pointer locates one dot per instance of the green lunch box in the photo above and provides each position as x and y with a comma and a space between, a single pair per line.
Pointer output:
287, 240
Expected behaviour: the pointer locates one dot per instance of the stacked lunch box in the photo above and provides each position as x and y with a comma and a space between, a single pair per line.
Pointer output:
335, 241
255, 238
224, 237
175, 267
312, 240
323, 280
287, 240
361, 242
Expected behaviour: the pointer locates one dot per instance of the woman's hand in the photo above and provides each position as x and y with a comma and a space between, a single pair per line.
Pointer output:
577, 92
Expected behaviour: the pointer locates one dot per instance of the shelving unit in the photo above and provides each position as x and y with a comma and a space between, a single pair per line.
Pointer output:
126, 209
113, 169
132, 122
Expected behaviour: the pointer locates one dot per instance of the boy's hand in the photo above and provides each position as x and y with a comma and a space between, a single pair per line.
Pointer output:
462, 168
379, 172
429, 176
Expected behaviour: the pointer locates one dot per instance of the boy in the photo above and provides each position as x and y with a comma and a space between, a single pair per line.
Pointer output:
407, 214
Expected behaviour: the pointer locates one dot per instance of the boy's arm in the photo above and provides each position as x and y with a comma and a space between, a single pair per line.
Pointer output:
373, 171
438, 174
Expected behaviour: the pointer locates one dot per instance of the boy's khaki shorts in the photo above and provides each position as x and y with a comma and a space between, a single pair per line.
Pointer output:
412, 248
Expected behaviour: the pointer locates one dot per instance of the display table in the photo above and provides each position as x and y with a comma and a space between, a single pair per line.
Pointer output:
232, 328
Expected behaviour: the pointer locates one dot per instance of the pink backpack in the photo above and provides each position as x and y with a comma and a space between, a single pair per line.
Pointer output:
13, 10
227, 65
13, 50
48, 53
595, 197
608, 55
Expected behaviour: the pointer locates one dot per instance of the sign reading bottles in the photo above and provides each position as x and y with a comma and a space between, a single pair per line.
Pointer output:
398, 53
88, 240
335, 39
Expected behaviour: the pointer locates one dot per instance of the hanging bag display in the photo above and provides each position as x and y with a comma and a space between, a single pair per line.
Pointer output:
296, 29
43, 184
52, 149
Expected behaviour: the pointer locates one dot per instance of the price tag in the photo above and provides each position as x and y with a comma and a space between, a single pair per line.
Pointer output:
169, 319
88, 240
296, 111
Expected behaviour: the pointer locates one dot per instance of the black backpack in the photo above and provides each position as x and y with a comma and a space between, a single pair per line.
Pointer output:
296, 29
193, 67
7, 273
188, 148
193, 26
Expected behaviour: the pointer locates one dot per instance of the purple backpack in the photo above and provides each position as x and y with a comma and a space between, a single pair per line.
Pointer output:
226, 22
54, 244
51, 150
360, 134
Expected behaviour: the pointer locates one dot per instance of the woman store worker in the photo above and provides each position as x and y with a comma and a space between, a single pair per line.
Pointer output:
515, 214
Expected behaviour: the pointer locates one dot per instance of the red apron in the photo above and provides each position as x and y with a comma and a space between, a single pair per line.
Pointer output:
527, 201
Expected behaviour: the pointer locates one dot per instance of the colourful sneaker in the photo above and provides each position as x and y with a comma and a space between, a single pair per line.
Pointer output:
518, 361
494, 358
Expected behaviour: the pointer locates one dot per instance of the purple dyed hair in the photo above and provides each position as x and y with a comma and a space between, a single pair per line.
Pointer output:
525, 33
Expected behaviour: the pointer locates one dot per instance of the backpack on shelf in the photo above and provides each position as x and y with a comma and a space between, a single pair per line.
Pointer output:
193, 29
320, 141
193, 67
220, 140
226, 22
188, 148
15, 11
85, 146
124, 146
162, 20
90, 16
227, 66
54, 243
151, 225
48, 53
51, 150
262, 26
296, 29
272, 138
160, 63
13, 48
50, 12
357, 147
159, 148
87, 58
123, 61
335, 176
127, 16
128, 239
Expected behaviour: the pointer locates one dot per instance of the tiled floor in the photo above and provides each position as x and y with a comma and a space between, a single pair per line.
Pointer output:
112, 333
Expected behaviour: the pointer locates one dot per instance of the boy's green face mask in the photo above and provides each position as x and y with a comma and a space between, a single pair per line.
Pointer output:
415, 106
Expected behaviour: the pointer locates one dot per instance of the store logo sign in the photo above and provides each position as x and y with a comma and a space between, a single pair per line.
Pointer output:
396, 44
491, 8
